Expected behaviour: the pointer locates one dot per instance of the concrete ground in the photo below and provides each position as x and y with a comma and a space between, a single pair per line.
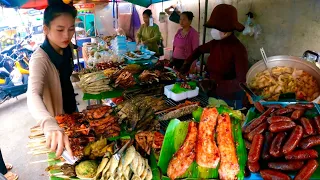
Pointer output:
15, 124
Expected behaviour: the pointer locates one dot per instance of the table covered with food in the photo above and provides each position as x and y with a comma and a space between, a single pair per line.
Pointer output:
169, 129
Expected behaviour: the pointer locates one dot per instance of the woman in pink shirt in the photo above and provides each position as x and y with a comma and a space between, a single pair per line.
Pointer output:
185, 41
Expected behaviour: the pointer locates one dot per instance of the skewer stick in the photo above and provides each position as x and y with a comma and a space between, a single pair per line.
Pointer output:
39, 152
42, 161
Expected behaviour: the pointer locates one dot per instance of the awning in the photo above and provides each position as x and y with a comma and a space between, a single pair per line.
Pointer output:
145, 3
12, 3
35, 4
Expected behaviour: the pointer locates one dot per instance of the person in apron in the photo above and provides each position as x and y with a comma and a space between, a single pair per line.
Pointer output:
227, 63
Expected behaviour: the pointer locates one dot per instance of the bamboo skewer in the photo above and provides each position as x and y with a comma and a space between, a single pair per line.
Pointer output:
42, 161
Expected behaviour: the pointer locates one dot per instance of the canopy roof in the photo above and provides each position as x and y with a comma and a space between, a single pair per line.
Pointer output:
145, 3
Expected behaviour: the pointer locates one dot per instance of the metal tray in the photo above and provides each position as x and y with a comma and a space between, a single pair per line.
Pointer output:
288, 61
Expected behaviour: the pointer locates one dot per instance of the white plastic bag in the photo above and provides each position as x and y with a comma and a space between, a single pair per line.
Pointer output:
16, 77
251, 28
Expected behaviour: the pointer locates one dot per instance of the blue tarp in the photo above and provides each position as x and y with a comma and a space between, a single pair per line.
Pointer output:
13, 3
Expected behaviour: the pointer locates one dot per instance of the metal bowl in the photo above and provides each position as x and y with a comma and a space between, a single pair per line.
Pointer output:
288, 61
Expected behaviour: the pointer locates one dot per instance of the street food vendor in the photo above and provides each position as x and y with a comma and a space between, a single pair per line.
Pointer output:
50, 91
149, 33
185, 41
227, 64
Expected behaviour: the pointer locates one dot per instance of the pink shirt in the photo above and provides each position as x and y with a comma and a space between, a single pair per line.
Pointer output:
184, 46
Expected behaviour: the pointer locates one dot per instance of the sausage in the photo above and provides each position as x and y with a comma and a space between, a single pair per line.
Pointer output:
276, 106
275, 148
256, 146
307, 126
317, 124
270, 174
275, 119
286, 166
283, 111
258, 130
281, 126
268, 137
308, 105
309, 142
307, 171
294, 139
255, 123
302, 154
254, 167
269, 111
247, 143
297, 114
296, 107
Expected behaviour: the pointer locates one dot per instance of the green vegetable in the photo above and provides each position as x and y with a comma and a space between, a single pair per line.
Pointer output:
87, 169
213, 102
197, 114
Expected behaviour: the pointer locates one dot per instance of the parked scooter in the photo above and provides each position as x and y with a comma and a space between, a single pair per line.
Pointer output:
7, 65
11, 68
19, 48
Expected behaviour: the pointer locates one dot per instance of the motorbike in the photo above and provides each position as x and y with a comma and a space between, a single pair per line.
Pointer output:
8, 89
21, 47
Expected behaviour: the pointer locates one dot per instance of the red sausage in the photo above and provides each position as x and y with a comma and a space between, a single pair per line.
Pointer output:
302, 155
281, 126
286, 166
258, 130
268, 137
307, 125
270, 174
276, 106
317, 123
253, 167
255, 123
307, 171
309, 142
275, 149
294, 139
247, 143
283, 111
256, 146
297, 114
275, 119
296, 107
308, 105
268, 111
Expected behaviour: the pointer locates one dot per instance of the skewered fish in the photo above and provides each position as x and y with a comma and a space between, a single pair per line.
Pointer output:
178, 111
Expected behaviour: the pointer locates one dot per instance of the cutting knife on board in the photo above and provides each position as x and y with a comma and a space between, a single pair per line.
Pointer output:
256, 99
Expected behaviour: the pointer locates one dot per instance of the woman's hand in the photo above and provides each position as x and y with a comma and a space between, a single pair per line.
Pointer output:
57, 141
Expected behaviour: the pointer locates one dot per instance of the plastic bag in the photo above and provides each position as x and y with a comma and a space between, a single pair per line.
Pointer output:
16, 77
251, 28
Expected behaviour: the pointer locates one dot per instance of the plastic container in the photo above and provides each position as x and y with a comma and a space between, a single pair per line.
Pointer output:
180, 96
131, 46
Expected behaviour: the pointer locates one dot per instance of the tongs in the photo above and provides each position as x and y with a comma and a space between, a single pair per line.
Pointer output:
118, 154
256, 99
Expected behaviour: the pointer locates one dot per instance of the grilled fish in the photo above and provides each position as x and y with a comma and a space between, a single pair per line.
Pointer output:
183, 158
207, 151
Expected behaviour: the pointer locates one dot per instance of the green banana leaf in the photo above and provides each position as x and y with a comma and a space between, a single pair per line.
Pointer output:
174, 137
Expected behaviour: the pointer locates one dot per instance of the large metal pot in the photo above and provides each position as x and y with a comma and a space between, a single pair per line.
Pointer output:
288, 61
